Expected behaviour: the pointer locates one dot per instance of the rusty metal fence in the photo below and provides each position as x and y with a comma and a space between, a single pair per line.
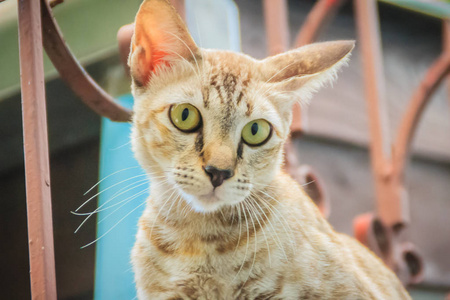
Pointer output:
380, 230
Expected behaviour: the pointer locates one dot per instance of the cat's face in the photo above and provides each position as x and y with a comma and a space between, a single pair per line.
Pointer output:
213, 123
213, 130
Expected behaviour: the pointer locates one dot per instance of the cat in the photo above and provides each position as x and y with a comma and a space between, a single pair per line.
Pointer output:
223, 220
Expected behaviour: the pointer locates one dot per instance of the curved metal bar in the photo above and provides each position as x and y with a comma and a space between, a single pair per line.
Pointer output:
74, 74
319, 17
433, 78
53, 3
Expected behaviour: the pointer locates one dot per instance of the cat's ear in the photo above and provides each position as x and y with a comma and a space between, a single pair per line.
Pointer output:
305, 69
160, 38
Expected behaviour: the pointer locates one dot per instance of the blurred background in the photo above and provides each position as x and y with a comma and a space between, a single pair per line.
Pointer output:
335, 143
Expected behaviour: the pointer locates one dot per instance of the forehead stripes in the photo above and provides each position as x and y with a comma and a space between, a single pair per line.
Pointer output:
229, 88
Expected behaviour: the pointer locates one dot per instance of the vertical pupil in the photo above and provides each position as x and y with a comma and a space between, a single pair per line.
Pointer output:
185, 114
254, 128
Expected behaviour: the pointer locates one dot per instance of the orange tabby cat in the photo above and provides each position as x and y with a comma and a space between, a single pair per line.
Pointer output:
223, 221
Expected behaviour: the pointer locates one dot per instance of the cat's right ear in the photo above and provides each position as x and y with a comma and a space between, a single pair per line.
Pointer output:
160, 38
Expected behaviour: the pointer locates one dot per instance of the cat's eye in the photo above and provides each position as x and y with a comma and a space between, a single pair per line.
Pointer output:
185, 117
256, 132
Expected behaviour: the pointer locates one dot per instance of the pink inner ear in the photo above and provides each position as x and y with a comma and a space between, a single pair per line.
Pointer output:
159, 34
149, 56
157, 58
153, 42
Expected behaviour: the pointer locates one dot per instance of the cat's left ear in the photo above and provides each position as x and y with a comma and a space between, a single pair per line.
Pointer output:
305, 69
160, 39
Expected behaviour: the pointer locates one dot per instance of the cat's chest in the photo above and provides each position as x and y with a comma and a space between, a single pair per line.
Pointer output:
206, 275
200, 285
207, 286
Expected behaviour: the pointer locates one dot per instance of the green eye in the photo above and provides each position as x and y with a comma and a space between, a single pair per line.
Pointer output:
185, 117
256, 132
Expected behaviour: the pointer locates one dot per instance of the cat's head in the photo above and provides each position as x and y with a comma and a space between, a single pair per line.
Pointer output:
213, 123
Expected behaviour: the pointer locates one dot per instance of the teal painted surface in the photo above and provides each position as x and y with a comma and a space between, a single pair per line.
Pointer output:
427, 294
437, 9
118, 224
218, 28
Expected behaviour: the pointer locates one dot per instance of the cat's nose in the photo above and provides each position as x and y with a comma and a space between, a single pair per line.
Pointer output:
217, 176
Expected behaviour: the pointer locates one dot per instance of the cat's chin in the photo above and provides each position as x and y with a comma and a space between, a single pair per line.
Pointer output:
204, 203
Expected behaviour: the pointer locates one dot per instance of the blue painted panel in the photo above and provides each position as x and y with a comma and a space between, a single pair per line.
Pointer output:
117, 225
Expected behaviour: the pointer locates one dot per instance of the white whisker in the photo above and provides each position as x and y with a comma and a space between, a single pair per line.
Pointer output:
115, 225
127, 143
280, 244
108, 188
256, 246
128, 200
291, 234
277, 238
246, 248
108, 177
240, 228
262, 228
190, 50
161, 208
89, 215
